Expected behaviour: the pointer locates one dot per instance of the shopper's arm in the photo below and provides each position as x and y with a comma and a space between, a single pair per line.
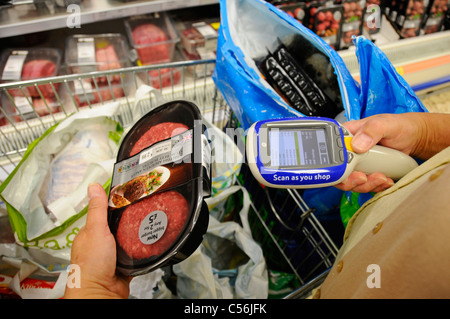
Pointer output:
420, 135
94, 252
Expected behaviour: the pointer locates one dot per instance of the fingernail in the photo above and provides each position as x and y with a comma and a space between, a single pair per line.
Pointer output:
389, 183
362, 142
359, 180
379, 181
92, 190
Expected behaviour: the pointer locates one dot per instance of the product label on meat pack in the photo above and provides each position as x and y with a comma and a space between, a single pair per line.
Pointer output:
144, 173
86, 50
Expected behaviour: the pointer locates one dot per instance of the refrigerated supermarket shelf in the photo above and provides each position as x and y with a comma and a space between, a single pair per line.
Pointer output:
423, 61
26, 19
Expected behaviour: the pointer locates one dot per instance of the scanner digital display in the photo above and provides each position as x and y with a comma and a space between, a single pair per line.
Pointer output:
298, 147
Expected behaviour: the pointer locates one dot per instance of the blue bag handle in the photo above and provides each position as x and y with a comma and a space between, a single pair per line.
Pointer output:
383, 90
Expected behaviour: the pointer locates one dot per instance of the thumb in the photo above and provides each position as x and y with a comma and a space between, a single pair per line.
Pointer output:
366, 133
363, 142
98, 207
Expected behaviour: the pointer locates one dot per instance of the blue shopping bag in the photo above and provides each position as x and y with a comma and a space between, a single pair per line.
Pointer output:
251, 28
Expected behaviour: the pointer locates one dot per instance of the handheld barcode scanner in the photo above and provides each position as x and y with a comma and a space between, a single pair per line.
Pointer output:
313, 152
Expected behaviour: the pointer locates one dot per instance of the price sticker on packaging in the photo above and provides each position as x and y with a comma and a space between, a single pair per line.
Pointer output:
86, 50
22, 105
13, 67
153, 227
208, 33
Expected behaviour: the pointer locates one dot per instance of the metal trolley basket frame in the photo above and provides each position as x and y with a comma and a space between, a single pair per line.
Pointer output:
292, 238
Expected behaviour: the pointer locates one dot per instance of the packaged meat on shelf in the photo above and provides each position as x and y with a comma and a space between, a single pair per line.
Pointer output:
154, 38
25, 64
198, 42
98, 52
199, 35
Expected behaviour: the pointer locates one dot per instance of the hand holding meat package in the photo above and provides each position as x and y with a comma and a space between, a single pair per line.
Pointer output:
29, 64
99, 52
156, 210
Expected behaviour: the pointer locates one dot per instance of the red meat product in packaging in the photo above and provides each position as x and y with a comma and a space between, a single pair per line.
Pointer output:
170, 208
409, 24
37, 69
30, 64
98, 52
45, 106
22, 110
164, 77
199, 35
151, 43
157, 133
156, 210
103, 94
107, 59
102, 53
191, 39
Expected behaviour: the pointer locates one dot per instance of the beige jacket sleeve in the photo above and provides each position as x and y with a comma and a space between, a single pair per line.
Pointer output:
398, 244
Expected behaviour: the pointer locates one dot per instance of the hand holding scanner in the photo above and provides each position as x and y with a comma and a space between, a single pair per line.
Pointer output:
313, 152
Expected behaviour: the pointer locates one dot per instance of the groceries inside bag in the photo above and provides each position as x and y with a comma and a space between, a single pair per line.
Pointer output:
46, 195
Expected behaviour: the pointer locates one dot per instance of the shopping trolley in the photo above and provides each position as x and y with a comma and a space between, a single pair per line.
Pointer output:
292, 238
